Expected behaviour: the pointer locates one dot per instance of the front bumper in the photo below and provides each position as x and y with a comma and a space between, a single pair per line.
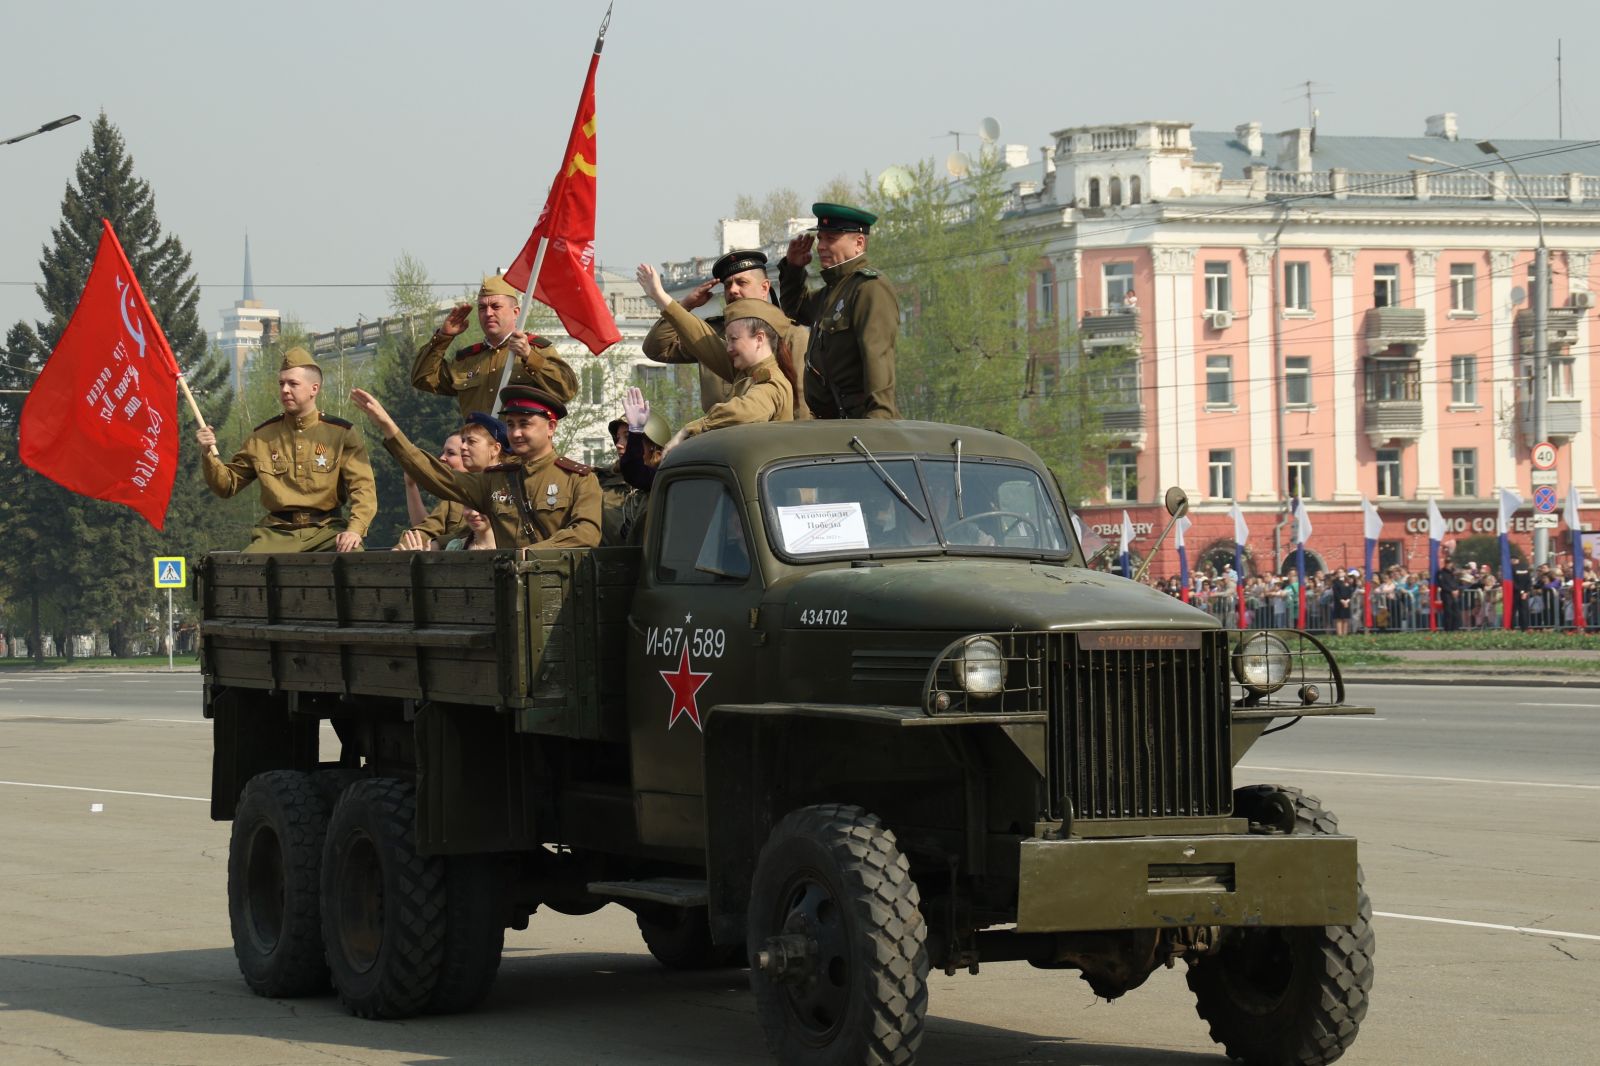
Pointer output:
1154, 882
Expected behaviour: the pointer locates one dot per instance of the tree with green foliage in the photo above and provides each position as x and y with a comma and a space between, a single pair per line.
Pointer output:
773, 211
88, 560
968, 351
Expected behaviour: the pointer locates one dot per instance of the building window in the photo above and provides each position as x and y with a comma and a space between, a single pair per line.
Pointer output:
594, 451
1463, 287
1561, 386
1393, 380
1386, 285
1134, 190
1094, 192
1116, 281
1120, 384
1122, 477
1388, 471
1048, 374
1464, 471
1464, 379
1045, 298
1219, 286
1299, 470
1116, 192
594, 381
1220, 468
1297, 380
1297, 286
1219, 380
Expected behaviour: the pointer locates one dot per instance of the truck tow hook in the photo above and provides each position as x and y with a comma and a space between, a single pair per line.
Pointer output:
789, 957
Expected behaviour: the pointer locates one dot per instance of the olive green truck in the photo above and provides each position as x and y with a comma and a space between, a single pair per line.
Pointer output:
855, 710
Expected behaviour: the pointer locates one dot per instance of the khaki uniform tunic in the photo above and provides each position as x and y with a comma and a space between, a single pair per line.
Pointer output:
444, 522
855, 322
614, 490
564, 496
701, 340
663, 345
473, 375
308, 467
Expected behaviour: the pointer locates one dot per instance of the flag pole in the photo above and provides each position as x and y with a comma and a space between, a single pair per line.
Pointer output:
200, 419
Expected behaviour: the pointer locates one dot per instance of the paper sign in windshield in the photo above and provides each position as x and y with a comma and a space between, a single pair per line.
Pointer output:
823, 527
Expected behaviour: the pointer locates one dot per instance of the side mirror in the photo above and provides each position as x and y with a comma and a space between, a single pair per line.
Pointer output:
1177, 502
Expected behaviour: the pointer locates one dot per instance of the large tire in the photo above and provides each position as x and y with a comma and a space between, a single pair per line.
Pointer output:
475, 933
834, 875
274, 909
1288, 997
680, 939
383, 905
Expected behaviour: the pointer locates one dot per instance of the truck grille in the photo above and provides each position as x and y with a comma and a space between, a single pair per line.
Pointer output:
1139, 732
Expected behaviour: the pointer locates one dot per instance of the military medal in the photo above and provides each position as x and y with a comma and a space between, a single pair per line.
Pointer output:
322, 456
550, 495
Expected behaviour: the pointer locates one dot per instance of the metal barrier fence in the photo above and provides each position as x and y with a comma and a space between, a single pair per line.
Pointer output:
1405, 610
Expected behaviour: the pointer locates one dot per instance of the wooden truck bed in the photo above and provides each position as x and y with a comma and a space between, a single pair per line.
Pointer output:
540, 634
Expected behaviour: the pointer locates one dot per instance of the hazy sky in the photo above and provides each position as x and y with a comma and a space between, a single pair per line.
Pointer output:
341, 134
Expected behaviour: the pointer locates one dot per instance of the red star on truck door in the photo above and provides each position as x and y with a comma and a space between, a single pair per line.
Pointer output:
684, 683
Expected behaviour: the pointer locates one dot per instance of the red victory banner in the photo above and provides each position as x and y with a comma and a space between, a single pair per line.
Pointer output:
102, 418
559, 255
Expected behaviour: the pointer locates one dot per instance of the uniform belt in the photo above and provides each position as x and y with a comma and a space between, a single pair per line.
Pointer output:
303, 518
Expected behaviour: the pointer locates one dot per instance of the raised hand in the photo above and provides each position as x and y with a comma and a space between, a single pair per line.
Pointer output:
455, 323
375, 412
699, 295
636, 409
799, 253
650, 281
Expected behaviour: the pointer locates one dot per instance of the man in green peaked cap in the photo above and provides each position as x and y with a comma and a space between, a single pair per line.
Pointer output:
854, 317
473, 375
309, 465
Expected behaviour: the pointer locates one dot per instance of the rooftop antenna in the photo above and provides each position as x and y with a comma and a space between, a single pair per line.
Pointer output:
950, 133
895, 182
959, 164
1311, 90
1560, 110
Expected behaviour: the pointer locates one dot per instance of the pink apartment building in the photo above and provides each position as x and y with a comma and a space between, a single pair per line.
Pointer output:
1323, 317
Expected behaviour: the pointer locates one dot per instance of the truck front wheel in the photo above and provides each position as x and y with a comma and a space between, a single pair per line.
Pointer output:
383, 905
1288, 997
274, 856
839, 956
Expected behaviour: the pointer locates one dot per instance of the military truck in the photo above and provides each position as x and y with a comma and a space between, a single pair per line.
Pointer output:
854, 710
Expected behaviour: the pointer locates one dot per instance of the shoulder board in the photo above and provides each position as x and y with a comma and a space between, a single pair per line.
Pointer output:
341, 423
471, 349
761, 374
502, 466
572, 466
538, 341
867, 272
268, 422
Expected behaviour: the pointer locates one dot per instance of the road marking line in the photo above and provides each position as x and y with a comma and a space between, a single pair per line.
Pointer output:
1342, 718
95, 718
1535, 930
106, 791
1584, 706
1420, 777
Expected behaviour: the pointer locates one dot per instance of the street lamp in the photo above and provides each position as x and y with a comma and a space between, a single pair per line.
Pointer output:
46, 128
1541, 313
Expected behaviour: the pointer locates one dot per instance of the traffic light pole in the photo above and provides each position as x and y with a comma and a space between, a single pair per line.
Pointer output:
1541, 362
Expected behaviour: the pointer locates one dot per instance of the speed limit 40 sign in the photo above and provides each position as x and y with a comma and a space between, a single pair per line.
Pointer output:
1544, 456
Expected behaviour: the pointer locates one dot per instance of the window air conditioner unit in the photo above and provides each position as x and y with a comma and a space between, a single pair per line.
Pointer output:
1582, 300
1219, 319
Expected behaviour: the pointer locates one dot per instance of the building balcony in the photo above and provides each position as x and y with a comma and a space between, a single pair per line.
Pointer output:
1391, 326
1110, 328
1562, 420
1561, 327
1384, 421
1125, 422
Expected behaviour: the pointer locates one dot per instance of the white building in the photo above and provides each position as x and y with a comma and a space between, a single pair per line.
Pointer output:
246, 326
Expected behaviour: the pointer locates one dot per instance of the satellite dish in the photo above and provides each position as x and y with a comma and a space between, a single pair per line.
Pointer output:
989, 130
1518, 294
959, 165
895, 182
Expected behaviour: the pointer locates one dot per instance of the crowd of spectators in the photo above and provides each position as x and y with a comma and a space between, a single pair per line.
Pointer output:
1469, 596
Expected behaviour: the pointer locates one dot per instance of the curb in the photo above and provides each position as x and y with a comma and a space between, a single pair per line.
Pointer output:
1483, 680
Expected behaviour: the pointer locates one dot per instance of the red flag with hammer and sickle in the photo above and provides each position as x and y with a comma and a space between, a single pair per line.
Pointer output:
566, 281
102, 418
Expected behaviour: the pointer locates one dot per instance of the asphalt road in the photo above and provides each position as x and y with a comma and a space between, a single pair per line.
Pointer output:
1477, 810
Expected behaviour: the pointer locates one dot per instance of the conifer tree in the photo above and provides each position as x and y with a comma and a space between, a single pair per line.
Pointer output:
90, 561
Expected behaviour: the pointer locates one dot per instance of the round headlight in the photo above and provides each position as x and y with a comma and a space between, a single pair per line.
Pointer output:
979, 668
1261, 663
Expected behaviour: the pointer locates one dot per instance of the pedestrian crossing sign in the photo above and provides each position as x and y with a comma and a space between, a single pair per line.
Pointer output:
171, 572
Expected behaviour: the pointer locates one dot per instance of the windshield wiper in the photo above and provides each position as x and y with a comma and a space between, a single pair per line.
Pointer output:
960, 511
855, 442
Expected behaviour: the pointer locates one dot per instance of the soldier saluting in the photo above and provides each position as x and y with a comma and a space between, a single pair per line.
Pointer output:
473, 376
538, 500
308, 465
854, 317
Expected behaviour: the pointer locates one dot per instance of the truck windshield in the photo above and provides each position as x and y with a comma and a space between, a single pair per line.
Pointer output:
842, 508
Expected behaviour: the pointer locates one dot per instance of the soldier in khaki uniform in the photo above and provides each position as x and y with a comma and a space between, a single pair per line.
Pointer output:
854, 317
614, 488
308, 464
756, 362
675, 339
483, 444
538, 500
473, 375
